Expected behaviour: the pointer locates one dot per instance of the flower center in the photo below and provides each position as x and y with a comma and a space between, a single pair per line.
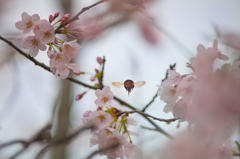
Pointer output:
104, 99
58, 58
172, 92
29, 24
34, 42
101, 117
47, 34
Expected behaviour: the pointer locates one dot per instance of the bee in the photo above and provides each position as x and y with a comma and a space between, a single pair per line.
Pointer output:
129, 85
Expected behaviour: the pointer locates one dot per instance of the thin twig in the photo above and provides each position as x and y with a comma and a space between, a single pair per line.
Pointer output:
155, 96
13, 143
62, 141
147, 115
111, 147
100, 86
144, 127
76, 17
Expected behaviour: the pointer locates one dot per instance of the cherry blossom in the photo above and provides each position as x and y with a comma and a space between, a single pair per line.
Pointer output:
33, 45
167, 93
60, 65
44, 31
27, 22
71, 49
104, 97
100, 119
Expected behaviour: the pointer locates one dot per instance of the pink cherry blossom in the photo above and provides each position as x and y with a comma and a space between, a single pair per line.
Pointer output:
100, 119
107, 137
131, 151
27, 22
60, 65
167, 93
44, 31
33, 45
71, 49
104, 97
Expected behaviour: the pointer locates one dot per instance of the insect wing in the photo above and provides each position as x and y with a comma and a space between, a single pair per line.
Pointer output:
117, 84
139, 83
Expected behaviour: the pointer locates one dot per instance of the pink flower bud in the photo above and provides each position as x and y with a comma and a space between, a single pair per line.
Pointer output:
50, 18
56, 41
92, 78
66, 16
96, 70
99, 60
56, 15
79, 96
77, 72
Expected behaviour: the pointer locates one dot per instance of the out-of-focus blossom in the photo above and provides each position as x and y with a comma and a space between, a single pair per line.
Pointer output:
197, 145
33, 44
27, 22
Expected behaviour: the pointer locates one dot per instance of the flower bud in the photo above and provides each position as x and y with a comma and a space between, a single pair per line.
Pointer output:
56, 15
50, 18
92, 78
77, 72
96, 70
79, 96
99, 60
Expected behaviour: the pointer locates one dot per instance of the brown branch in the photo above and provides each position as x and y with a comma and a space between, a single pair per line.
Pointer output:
76, 17
12, 143
40, 136
147, 115
62, 141
81, 83
42, 64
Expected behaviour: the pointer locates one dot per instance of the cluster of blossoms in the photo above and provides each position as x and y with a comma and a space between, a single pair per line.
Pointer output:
60, 52
111, 128
208, 99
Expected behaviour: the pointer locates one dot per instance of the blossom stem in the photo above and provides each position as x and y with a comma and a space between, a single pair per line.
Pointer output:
100, 86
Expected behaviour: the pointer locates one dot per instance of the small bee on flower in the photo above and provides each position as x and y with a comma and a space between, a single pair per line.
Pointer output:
129, 85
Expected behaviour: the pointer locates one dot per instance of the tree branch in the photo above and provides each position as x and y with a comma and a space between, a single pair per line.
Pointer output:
76, 17
62, 141
42, 64
147, 115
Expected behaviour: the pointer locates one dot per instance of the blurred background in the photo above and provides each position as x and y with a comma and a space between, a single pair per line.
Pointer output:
31, 97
